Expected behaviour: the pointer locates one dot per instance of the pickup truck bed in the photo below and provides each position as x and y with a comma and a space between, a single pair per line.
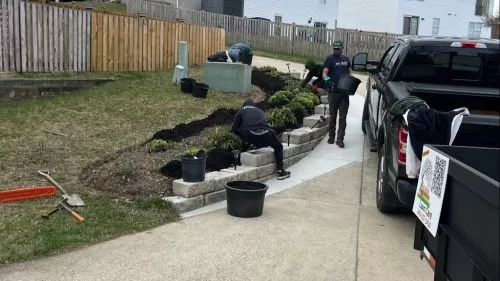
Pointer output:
466, 247
446, 73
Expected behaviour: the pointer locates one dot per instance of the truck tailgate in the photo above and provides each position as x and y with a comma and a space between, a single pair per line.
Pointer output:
466, 246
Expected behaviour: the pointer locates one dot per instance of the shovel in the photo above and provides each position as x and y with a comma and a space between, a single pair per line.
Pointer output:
73, 200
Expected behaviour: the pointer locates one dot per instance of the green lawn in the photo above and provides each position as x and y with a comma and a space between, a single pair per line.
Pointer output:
96, 121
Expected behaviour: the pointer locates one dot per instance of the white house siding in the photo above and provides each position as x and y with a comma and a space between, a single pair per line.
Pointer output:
371, 15
294, 11
454, 16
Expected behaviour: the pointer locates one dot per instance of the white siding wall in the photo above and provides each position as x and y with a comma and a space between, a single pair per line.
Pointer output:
294, 11
454, 16
372, 15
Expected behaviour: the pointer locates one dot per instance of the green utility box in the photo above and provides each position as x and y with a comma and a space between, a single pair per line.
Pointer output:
228, 77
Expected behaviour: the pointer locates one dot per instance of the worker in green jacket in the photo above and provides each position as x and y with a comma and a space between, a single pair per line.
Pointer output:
315, 70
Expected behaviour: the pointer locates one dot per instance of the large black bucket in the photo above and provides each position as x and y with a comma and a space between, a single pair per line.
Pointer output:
187, 85
348, 84
246, 58
193, 170
200, 90
245, 199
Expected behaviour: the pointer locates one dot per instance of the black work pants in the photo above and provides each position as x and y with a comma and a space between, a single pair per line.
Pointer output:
264, 140
339, 104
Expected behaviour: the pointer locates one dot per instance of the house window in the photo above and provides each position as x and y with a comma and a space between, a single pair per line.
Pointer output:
481, 7
410, 25
475, 29
278, 18
320, 24
435, 26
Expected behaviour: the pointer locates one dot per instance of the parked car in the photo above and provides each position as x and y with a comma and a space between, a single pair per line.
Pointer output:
447, 73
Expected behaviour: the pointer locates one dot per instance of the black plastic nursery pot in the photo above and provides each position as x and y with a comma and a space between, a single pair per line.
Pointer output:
200, 90
193, 169
245, 199
348, 84
187, 85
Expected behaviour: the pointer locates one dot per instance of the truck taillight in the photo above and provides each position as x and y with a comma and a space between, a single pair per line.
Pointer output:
468, 45
403, 138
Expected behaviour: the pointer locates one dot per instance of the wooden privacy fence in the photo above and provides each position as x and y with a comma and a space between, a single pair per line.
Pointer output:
123, 43
45, 38
271, 36
42, 38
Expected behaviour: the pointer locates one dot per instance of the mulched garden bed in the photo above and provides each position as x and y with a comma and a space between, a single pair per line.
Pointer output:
134, 171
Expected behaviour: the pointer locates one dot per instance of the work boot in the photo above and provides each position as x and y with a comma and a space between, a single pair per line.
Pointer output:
282, 174
331, 140
340, 143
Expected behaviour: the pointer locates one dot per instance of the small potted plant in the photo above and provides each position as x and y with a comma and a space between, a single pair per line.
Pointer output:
194, 161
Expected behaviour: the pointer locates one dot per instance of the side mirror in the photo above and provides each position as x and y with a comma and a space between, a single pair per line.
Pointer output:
359, 62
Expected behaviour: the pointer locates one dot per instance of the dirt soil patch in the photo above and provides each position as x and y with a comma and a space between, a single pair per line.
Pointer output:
136, 172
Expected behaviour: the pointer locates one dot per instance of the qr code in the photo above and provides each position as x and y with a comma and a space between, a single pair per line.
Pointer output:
438, 176
427, 171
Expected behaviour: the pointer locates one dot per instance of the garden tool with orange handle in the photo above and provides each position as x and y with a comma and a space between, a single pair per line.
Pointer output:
63, 204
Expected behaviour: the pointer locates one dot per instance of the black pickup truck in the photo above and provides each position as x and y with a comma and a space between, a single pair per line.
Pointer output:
447, 73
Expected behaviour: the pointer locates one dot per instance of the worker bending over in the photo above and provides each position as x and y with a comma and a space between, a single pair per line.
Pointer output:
315, 70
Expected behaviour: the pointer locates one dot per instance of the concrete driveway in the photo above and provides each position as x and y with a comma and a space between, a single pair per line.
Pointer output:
320, 224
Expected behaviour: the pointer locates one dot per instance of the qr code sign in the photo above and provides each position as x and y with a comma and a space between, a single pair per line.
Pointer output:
439, 176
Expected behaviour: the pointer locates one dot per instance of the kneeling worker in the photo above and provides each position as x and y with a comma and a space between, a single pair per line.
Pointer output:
251, 125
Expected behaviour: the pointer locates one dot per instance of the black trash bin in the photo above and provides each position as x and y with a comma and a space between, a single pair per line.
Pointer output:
200, 90
348, 84
187, 85
245, 199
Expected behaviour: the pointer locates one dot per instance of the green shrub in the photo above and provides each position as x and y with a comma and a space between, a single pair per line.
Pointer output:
281, 118
191, 152
223, 138
306, 102
298, 110
314, 98
292, 84
160, 145
280, 99
265, 69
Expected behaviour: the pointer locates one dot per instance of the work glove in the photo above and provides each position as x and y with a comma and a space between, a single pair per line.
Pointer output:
330, 86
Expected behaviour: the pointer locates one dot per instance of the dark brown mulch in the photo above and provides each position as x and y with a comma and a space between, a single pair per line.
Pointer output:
266, 82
